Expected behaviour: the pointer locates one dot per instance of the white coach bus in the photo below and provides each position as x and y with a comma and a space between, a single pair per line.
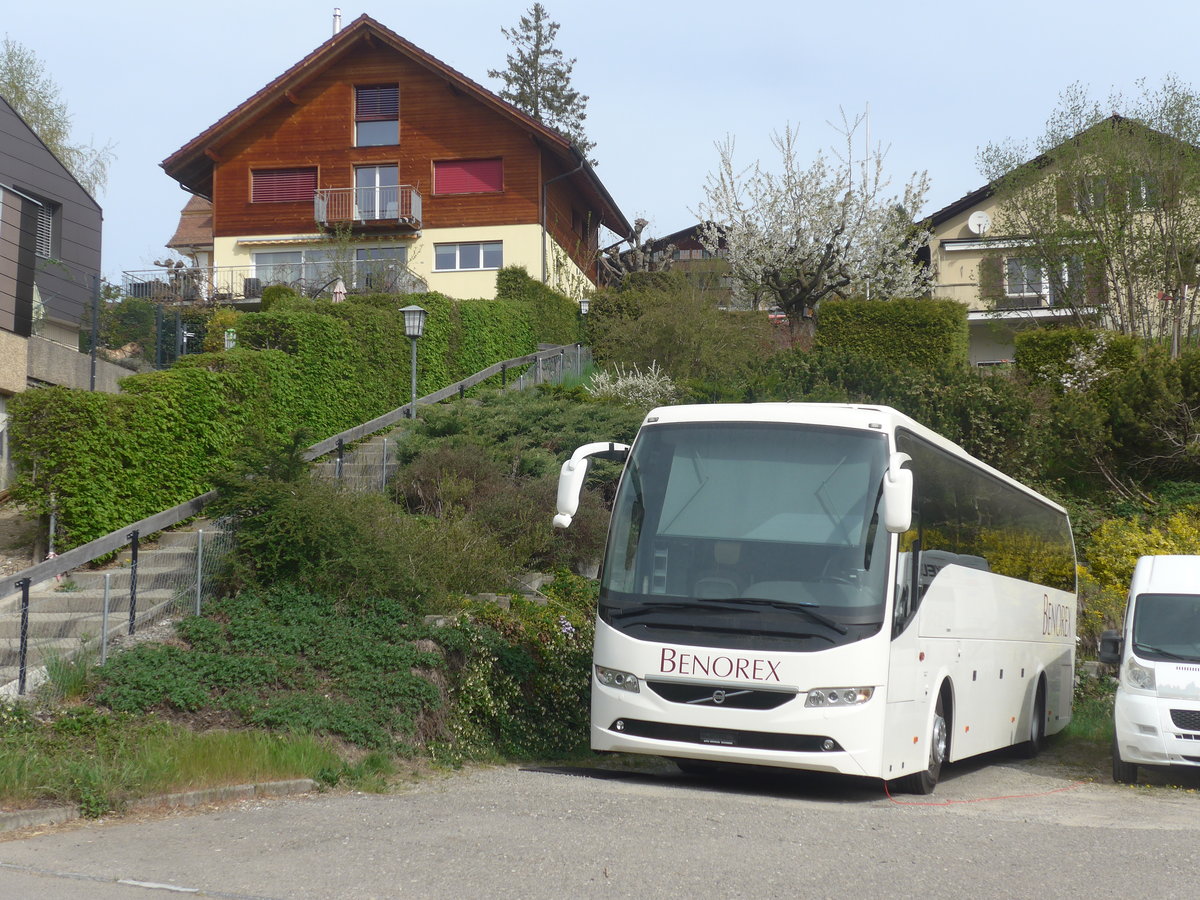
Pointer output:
828, 587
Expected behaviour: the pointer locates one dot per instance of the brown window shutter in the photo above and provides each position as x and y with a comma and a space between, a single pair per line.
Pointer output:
1062, 191
991, 278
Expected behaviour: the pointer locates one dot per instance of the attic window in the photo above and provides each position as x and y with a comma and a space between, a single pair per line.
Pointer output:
377, 115
283, 185
468, 176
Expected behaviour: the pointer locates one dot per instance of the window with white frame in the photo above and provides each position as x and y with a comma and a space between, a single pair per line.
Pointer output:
376, 192
1023, 277
379, 268
1028, 282
467, 257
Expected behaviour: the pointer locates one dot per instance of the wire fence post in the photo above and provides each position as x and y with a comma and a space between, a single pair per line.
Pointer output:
383, 467
341, 453
104, 619
23, 584
133, 567
199, 567
503, 374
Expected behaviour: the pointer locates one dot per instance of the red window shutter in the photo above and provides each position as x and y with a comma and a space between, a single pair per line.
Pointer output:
377, 104
278, 185
468, 176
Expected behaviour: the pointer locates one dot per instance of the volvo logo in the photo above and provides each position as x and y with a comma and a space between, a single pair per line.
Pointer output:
718, 697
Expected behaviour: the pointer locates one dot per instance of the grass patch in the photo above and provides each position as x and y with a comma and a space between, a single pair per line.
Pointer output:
100, 761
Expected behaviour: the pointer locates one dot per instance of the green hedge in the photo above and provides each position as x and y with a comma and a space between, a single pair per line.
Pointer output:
108, 460
930, 335
1060, 356
556, 317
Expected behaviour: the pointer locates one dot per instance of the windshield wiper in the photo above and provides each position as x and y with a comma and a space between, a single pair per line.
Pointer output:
1162, 652
638, 609
733, 605
804, 606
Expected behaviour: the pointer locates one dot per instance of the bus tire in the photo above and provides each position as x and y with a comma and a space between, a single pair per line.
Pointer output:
1123, 772
1037, 726
939, 746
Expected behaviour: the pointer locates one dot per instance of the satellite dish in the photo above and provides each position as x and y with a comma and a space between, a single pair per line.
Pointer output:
979, 223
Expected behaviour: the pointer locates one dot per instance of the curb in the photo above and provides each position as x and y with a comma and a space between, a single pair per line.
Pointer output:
56, 815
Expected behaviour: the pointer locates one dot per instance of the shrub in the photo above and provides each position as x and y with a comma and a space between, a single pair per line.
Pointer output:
1074, 359
669, 322
634, 387
925, 335
522, 676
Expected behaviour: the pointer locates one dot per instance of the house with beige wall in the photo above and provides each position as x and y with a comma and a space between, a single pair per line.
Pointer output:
1003, 290
372, 161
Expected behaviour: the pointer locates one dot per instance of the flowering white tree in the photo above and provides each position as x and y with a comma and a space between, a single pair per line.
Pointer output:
794, 237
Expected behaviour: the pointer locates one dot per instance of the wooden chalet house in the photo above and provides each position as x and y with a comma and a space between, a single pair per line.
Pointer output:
372, 161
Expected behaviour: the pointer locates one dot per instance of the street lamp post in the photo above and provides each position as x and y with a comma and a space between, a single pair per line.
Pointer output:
414, 327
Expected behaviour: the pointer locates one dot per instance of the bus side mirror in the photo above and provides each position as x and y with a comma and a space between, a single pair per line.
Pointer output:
1110, 648
898, 495
573, 473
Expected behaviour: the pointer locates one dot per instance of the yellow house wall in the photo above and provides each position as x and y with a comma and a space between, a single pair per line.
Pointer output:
956, 272
522, 247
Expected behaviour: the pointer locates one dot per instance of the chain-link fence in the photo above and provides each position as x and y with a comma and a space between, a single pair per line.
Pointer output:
86, 612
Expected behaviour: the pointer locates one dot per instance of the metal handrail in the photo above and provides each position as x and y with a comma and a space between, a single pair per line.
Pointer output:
115, 540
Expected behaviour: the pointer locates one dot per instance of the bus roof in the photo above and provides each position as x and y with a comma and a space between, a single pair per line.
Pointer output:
883, 419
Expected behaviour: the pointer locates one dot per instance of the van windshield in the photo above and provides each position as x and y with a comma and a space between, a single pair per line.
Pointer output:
1167, 626
736, 532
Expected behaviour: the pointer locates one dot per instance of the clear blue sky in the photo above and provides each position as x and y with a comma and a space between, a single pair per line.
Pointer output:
666, 80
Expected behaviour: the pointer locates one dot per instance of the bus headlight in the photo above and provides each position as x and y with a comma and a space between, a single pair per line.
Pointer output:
1139, 676
626, 681
839, 696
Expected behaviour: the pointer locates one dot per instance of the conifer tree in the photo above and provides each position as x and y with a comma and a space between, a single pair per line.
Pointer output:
537, 79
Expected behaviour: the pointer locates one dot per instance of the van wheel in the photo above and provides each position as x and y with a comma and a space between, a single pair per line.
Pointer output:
939, 745
1037, 727
696, 766
1123, 772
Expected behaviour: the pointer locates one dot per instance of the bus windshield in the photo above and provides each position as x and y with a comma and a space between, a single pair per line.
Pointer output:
745, 533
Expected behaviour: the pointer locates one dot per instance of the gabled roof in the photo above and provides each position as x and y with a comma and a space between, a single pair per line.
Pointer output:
49, 157
977, 196
191, 166
195, 227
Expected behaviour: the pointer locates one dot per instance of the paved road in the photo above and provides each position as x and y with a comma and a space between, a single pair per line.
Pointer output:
1004, 829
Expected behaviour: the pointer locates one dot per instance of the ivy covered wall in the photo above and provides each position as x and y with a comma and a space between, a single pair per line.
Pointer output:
104, 461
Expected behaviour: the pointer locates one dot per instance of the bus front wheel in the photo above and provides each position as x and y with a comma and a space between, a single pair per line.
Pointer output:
939, 745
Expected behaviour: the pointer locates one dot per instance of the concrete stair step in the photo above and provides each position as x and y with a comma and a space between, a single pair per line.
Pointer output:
167, 557
149, 577
38, 653
72, 623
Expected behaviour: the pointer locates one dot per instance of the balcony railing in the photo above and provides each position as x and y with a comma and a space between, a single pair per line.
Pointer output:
392, 203
234, 284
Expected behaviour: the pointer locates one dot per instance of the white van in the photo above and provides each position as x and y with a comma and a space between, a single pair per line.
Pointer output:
1157, 712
